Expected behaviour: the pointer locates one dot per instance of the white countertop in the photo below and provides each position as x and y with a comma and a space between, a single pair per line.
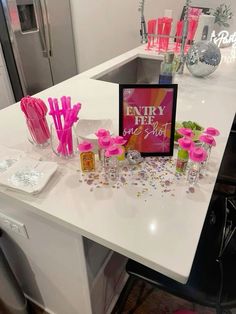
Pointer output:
160, 231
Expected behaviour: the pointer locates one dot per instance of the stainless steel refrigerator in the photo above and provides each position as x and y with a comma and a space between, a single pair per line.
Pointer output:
41, 37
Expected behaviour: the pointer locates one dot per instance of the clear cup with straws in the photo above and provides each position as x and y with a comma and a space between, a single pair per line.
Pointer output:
64, 141
35, 112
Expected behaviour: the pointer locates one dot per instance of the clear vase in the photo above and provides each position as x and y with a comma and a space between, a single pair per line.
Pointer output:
64, 143
39, 134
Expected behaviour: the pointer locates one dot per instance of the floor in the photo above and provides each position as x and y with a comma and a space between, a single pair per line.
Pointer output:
32, 309
158, 302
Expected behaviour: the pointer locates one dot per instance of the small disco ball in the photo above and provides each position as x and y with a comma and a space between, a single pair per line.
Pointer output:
203, 58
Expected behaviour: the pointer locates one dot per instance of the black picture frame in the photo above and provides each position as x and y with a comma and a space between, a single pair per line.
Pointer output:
174, 88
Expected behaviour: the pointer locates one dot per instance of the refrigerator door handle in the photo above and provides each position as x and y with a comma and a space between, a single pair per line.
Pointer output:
46, 22
42, 32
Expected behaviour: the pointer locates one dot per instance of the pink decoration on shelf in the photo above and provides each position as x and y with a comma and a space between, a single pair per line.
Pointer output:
105, 142
198, 154
85, 146
186, 143
207, 139
185, 132
212, 131
119, 140
102, 133
113, 150
35, 112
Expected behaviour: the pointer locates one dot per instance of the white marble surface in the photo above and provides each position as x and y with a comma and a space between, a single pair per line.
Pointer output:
160, 231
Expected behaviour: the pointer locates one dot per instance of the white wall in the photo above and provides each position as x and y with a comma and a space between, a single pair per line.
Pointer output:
106, 28
215, 3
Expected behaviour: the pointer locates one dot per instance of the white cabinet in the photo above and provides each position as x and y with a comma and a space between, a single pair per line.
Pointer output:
6, 94
57, 268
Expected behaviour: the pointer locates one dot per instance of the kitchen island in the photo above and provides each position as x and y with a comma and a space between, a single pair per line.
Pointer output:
159, 230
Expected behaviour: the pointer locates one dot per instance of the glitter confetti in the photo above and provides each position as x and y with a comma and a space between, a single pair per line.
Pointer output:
152, 175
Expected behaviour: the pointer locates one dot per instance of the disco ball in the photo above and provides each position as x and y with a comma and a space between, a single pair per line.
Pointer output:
203, 58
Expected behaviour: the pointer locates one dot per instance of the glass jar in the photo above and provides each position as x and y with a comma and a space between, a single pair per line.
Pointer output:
39, 134
64, 142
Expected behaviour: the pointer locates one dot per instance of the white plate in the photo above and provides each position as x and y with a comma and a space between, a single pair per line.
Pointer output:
28, 175
8, 157
86, 128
